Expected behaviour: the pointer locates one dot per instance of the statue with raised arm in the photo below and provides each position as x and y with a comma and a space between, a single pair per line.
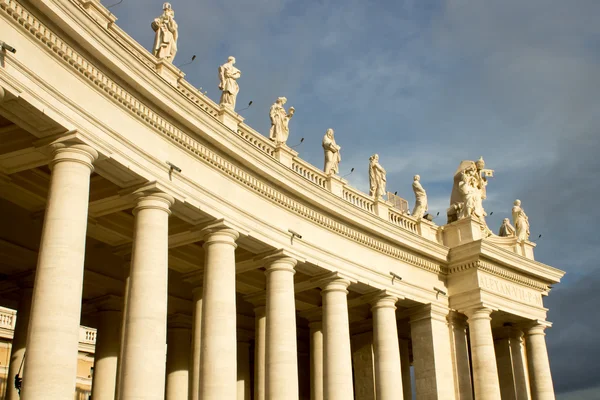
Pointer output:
332, 153
228, 76
280, 120
521, 221
506, 229
166, 32
377, 179
420, 198
469, 191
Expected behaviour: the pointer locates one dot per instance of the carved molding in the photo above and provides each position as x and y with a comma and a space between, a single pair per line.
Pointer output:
499, 272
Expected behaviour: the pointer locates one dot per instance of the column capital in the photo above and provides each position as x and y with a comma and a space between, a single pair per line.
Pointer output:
280, 263
429, 311
383, 300
536, 328
219, 232
315, 326
73, 151
335, 282
151, 198
479, 313
457, 319
516, 333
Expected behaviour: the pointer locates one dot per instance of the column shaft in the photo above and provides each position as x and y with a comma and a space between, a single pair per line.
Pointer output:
432, 356
337, 358
243, 373
126, 274
316, 360
519, 365
106, 355
196, 345
218, 359
460, 352
388, 373
539, 366
260, 352
178, 363
282, 353
146, 325
53, 337
19, 342
405, 365
485, 371
505, 368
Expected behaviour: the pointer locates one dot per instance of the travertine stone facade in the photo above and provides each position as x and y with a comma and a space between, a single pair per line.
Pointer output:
198, 249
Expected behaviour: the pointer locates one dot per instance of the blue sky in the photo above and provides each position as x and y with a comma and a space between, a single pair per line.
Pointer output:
427, 84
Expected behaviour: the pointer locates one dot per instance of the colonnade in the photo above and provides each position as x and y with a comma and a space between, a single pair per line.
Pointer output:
134, 363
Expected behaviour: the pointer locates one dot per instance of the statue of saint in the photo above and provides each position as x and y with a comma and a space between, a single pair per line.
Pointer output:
420, 198
332, 153
377, 178
506, 229
521, 221
228, 75
468, 193
280, 120
165, 42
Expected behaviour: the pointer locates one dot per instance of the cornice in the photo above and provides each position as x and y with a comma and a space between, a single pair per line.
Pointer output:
113, 90
498, 271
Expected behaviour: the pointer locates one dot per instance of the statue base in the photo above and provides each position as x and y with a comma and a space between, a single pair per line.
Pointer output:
335, 185
284, 154
463, 231
230, 118
169, 72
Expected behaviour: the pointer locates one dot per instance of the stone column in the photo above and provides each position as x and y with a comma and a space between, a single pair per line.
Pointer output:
337, 376
282, 352
53, 337
316, 360
107, 349
540, 376
218, 358
126, 275
260, 351
194, 384
388, 374
146, 323
519, 364
460, 353
432, 357
485, 372
504, 364
243, 372
179, 340
405, 366
17, 351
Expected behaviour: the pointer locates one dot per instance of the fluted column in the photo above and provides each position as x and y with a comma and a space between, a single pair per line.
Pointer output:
218, 359
388, 373
53, 337
194, 384
316, 360
460, 352
519, 364
405, 366
337, 377
146, 324
19, 342
281, 341
179, 340
485, 372
540, 376
260, 348
107, 350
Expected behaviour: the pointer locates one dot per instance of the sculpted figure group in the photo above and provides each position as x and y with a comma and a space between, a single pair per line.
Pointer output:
470, 179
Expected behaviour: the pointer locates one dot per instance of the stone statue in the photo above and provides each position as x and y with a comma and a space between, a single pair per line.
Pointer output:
280, 120
521, 221
469, 191
420, 198
165, 42
332, 153
506, 229
377, 179
228, 75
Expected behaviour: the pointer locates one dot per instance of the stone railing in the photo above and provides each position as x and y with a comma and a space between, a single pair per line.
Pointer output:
87, 335
358, 198
8, 318
404, 221
256, 139
310, 172
198, 98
